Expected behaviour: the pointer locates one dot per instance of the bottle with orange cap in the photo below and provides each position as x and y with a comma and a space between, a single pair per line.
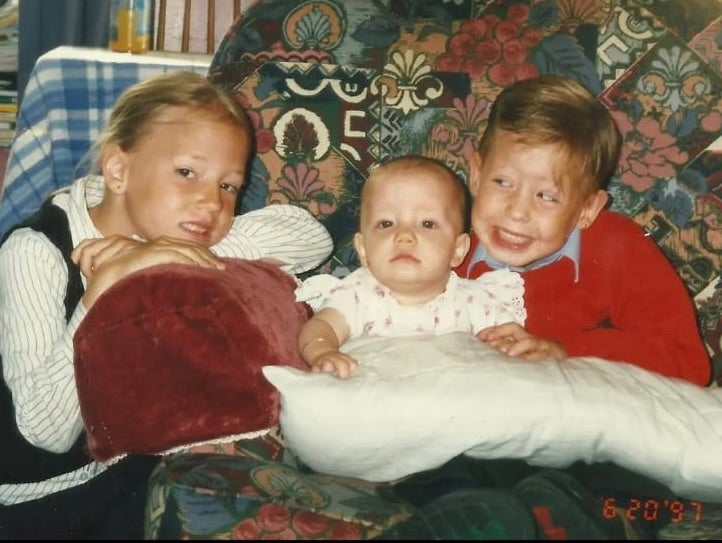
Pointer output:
130, 25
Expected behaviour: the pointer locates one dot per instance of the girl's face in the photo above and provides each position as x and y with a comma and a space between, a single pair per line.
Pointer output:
411, 234
181, 179
522, 210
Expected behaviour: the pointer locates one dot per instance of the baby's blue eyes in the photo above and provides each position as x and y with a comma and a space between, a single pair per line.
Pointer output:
424, 224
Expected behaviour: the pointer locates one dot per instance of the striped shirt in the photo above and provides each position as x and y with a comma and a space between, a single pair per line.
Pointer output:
36, 342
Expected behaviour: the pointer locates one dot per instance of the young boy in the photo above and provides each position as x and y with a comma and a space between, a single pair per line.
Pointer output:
595, 284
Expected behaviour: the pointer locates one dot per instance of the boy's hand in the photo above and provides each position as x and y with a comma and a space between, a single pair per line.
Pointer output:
513, 339
334, 362
105, 261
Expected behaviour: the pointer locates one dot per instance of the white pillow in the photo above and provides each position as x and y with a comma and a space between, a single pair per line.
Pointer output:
415, 402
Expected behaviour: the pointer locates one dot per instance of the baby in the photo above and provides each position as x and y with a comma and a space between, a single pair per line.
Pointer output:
412, 233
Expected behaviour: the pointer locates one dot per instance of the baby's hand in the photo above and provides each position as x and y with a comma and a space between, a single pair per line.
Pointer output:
513, 339
334, 362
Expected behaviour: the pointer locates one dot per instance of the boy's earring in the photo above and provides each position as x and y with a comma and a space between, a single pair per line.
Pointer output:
118, 184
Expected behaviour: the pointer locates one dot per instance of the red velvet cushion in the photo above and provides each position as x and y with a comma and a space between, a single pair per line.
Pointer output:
172, 356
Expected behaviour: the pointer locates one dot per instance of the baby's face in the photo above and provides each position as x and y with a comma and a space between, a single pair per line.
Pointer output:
522, 211
411, 233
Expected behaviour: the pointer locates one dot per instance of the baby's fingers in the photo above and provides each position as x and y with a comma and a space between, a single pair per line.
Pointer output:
341, 366
345, 367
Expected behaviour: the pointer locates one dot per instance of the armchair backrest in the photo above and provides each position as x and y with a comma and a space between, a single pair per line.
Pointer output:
337, 85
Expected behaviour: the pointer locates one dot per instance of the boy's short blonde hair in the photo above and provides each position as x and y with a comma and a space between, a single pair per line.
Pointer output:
560, 111
459, 190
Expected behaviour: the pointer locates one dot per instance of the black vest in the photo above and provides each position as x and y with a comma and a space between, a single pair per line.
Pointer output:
21, 462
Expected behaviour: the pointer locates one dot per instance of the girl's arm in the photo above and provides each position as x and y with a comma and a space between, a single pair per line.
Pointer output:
279, 232
36, 343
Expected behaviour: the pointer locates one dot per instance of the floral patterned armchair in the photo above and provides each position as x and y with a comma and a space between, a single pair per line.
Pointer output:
333, 86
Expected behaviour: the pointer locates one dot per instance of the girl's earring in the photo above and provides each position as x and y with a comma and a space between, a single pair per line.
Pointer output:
584, 226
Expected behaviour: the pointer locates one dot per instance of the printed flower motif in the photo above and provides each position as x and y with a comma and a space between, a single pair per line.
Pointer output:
709, 208
309, 525
264, 136
345, 530
274, 521
442, 135
712, 121
272, 517
648, 153
283, 535
282, 482
674, 79
314, 25
575, 12
667, 196
247, 529
467, 116
406, 83
493, 47
301, 135
299, 182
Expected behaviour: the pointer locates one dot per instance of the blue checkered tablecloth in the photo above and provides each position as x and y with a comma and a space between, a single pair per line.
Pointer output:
67, 101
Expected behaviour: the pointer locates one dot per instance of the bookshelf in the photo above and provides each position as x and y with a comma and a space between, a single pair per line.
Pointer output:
8, 71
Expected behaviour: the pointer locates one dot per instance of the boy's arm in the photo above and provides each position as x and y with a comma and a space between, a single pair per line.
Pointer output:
653, 319
281, 232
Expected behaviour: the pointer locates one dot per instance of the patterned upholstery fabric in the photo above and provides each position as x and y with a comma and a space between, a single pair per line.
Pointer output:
333, 86
254, 490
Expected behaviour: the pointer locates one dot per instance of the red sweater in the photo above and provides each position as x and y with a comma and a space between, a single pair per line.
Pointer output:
628, 305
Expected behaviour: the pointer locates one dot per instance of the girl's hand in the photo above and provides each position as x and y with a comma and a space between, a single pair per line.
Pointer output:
105, 261
513, 339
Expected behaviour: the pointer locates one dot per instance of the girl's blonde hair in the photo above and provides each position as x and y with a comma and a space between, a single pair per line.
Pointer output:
139, 106
560, 111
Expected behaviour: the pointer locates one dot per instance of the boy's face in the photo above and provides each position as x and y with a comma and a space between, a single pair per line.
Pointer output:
522, 211
182, 178
411, 233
